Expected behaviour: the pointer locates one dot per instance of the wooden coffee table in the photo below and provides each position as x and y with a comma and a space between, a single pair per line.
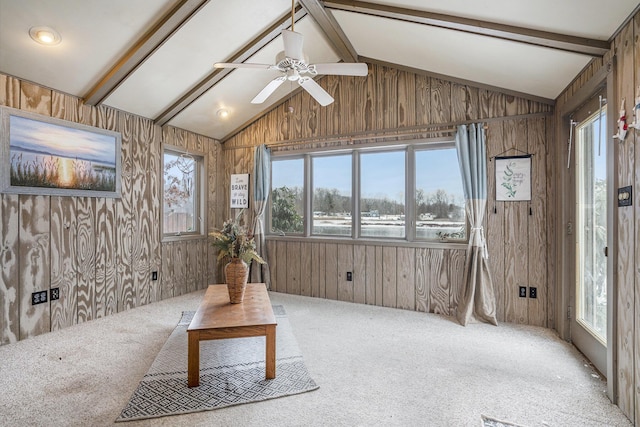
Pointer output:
216, 318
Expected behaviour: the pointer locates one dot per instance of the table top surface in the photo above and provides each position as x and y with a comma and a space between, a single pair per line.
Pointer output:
215, 310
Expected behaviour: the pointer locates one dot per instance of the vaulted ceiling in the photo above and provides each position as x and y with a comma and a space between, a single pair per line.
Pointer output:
155, 58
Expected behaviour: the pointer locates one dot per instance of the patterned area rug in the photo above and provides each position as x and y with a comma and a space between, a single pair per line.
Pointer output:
231, 373
492, 422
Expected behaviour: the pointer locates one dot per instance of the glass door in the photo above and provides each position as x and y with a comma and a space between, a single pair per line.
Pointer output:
589, 328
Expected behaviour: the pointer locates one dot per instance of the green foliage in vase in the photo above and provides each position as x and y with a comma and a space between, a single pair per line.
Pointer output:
233, 240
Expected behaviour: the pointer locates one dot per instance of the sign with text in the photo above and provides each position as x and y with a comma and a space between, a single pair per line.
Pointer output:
239, 191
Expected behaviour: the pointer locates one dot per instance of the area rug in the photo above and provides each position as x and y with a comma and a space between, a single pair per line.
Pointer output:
232, 372
492, 422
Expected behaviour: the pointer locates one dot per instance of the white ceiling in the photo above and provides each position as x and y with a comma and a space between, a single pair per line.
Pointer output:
96, 35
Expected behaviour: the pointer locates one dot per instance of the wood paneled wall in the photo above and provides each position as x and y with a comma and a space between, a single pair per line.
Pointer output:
99, 252
625, 54
415, 278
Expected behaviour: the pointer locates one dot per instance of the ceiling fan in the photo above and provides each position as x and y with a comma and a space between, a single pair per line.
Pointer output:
295, 67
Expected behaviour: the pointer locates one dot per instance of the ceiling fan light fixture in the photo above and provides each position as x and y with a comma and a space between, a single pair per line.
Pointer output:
45, 35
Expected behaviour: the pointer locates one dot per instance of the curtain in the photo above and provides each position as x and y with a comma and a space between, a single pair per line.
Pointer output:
261, 185
477, 300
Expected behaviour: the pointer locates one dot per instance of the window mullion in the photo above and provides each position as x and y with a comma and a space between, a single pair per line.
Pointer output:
308, 195
410, 199
355, 191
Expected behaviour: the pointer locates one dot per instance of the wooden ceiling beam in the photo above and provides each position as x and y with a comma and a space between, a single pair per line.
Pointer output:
143, 49
217, 74
331, 29
567, 43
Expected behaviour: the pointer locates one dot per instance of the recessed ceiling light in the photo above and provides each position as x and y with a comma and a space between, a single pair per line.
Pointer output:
45, 35
223, 112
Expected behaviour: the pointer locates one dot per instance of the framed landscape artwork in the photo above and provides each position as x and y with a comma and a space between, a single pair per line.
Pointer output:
44, 155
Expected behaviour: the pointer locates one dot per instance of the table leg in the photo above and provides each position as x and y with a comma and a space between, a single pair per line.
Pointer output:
193, 364
271, 352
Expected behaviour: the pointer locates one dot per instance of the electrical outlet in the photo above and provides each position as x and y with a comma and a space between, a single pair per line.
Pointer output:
154, 275
533, 292
523, 291
349, 276
54, 294
38, 297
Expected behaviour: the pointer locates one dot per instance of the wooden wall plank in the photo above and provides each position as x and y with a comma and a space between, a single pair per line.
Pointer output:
85, 256
516, 237
370, 275
537, 223
141, 221
389, 276
34, 98
281, 260
345, 264
331, 271
105, 292
168, 279
180, 268
423, 99
9, 91
440, 101
273, 266
9, 270
439, 282
35, 270
359, 274
124, 223
635, 140
406, 278
319, 270
626, 232
379, 272
64, 261
293, 268
455, 259
406, 99
305, 269
423, 288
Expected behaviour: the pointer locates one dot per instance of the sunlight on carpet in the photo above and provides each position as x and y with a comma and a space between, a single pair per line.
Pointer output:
492, 422
231, 373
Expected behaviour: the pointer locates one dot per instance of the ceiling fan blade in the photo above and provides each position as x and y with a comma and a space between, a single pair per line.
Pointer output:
341, 69
268, 90
293, 44
316, 91
241, 65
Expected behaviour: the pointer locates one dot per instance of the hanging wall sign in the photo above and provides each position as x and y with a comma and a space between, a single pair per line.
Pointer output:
513, 178
239, 191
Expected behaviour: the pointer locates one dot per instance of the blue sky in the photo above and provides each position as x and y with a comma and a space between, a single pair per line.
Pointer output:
61, 141
382, 173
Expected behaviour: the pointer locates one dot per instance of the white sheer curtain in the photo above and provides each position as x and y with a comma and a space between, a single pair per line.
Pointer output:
477, 300
261, 185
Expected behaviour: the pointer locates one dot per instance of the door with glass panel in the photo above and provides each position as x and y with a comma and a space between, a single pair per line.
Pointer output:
589, 324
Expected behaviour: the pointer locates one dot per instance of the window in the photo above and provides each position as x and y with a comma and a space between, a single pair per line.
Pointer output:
439, 197
182, 193
287, 201
382, 194
332, 202
412, 193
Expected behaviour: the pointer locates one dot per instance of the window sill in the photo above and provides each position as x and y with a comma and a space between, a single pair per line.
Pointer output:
181, 238
369, 242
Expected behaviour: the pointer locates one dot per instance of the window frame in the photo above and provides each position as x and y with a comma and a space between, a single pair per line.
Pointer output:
200, 194
410, 188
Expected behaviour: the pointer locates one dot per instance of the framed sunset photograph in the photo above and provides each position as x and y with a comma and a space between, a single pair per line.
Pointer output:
44, 155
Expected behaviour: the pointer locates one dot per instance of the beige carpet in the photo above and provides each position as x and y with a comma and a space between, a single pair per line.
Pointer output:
375, 367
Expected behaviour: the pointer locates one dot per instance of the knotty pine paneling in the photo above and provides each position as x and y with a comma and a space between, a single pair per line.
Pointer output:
388, 100
626, 232
98, 251
9, 265
63, 261
636, 292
